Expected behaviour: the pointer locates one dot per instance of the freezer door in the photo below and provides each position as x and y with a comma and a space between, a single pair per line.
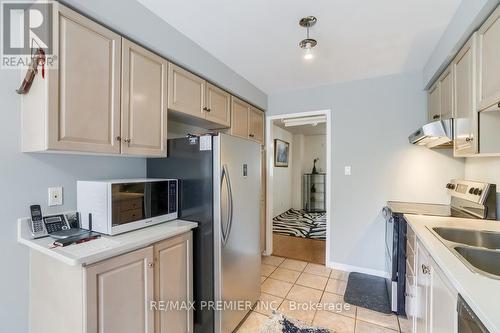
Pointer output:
237, 230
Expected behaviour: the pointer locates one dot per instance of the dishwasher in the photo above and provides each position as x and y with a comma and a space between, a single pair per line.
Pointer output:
468, 322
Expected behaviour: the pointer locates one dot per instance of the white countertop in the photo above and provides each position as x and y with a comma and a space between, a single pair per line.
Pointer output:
105, 246
480, 292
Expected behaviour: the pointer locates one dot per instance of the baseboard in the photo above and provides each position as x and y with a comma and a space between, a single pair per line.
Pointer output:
350, 268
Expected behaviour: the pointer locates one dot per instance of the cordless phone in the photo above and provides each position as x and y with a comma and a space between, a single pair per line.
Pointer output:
37, 225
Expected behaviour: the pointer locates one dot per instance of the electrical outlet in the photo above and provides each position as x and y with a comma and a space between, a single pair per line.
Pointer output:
55, 196
347, 170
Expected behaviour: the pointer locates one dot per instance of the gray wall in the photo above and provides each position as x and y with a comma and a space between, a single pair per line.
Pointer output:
371, 120
469, 16
130, 18
25, 177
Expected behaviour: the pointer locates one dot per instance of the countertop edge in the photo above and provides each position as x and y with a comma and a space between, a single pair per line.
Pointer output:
128, 243
443, 256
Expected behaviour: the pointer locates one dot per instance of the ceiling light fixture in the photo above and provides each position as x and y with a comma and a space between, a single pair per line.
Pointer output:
308, 43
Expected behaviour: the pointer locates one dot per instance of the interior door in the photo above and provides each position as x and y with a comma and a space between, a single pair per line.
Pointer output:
465, 111
118, 294
239, 117
218, 106
84, 90
144, 101
240, 227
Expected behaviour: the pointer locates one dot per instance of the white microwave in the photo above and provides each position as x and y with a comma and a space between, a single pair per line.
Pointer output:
117, 206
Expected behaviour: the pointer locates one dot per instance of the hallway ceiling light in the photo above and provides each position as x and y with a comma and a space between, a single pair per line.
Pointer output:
308, 43
314, 121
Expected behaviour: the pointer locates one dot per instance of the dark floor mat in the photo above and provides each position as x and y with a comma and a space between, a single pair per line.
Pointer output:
367, 291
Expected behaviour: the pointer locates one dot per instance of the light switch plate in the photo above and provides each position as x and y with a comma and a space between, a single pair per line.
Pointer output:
55, 196
347, 170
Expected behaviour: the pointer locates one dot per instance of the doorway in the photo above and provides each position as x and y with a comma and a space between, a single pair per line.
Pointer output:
298, 190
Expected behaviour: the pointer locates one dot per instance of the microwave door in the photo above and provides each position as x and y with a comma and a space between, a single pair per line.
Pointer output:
147, 200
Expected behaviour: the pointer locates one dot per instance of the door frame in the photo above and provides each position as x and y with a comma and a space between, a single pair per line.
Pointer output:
269, 145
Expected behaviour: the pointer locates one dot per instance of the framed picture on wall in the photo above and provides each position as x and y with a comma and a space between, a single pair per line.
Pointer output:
281, 153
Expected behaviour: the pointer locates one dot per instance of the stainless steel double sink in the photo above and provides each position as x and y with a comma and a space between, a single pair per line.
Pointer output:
479, 250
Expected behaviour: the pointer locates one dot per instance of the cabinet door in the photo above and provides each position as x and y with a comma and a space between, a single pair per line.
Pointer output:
186, 92
465, 120
434, 102
118, 294
174, 281
446, 93
218, 107
488, 63
144, 101
422, 291
239, 117
84, 91
443, 302
256, 125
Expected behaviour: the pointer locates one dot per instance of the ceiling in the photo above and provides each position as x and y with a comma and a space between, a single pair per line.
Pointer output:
357, 39
319, 129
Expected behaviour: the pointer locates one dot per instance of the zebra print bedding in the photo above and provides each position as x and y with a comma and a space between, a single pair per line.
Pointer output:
300, 223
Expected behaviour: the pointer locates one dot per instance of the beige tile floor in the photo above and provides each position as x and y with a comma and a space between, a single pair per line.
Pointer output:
314, 294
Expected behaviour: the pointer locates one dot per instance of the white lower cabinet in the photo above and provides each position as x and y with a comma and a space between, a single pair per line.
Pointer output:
432, 299
136, 292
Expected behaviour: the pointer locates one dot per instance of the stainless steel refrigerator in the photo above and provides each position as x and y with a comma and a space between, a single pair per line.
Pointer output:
220, 189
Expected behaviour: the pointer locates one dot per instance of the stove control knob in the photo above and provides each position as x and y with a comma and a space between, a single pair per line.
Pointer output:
480, 192
476, 191
471, 191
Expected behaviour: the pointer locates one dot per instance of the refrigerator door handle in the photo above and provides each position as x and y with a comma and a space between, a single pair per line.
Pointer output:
225, 235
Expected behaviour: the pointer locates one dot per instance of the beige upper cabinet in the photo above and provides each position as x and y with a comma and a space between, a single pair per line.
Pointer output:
186, 92
434, 102
206, 105
246, 121
446, 93
488, 64
118, 292
465, 120
80, 95
144, 101
239, 117
218, 106
173, 282
256, 125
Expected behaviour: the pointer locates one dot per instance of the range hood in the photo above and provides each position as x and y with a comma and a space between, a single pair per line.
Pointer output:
438, 134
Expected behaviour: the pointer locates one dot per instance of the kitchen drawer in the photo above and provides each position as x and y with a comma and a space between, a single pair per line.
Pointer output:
130, 215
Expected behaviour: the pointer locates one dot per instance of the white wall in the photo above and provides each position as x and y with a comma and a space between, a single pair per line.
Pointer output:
282, 177
305, 149
26, 177
371, 121
298, 147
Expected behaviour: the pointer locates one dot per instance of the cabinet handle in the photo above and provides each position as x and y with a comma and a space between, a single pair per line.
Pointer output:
251, 135
151, 265
208, 110
498, 105
205, 108
118, 138
425, 269
468, 139
126, 140
436, 116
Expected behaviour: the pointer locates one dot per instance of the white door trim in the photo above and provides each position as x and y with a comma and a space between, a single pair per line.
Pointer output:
269, 176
